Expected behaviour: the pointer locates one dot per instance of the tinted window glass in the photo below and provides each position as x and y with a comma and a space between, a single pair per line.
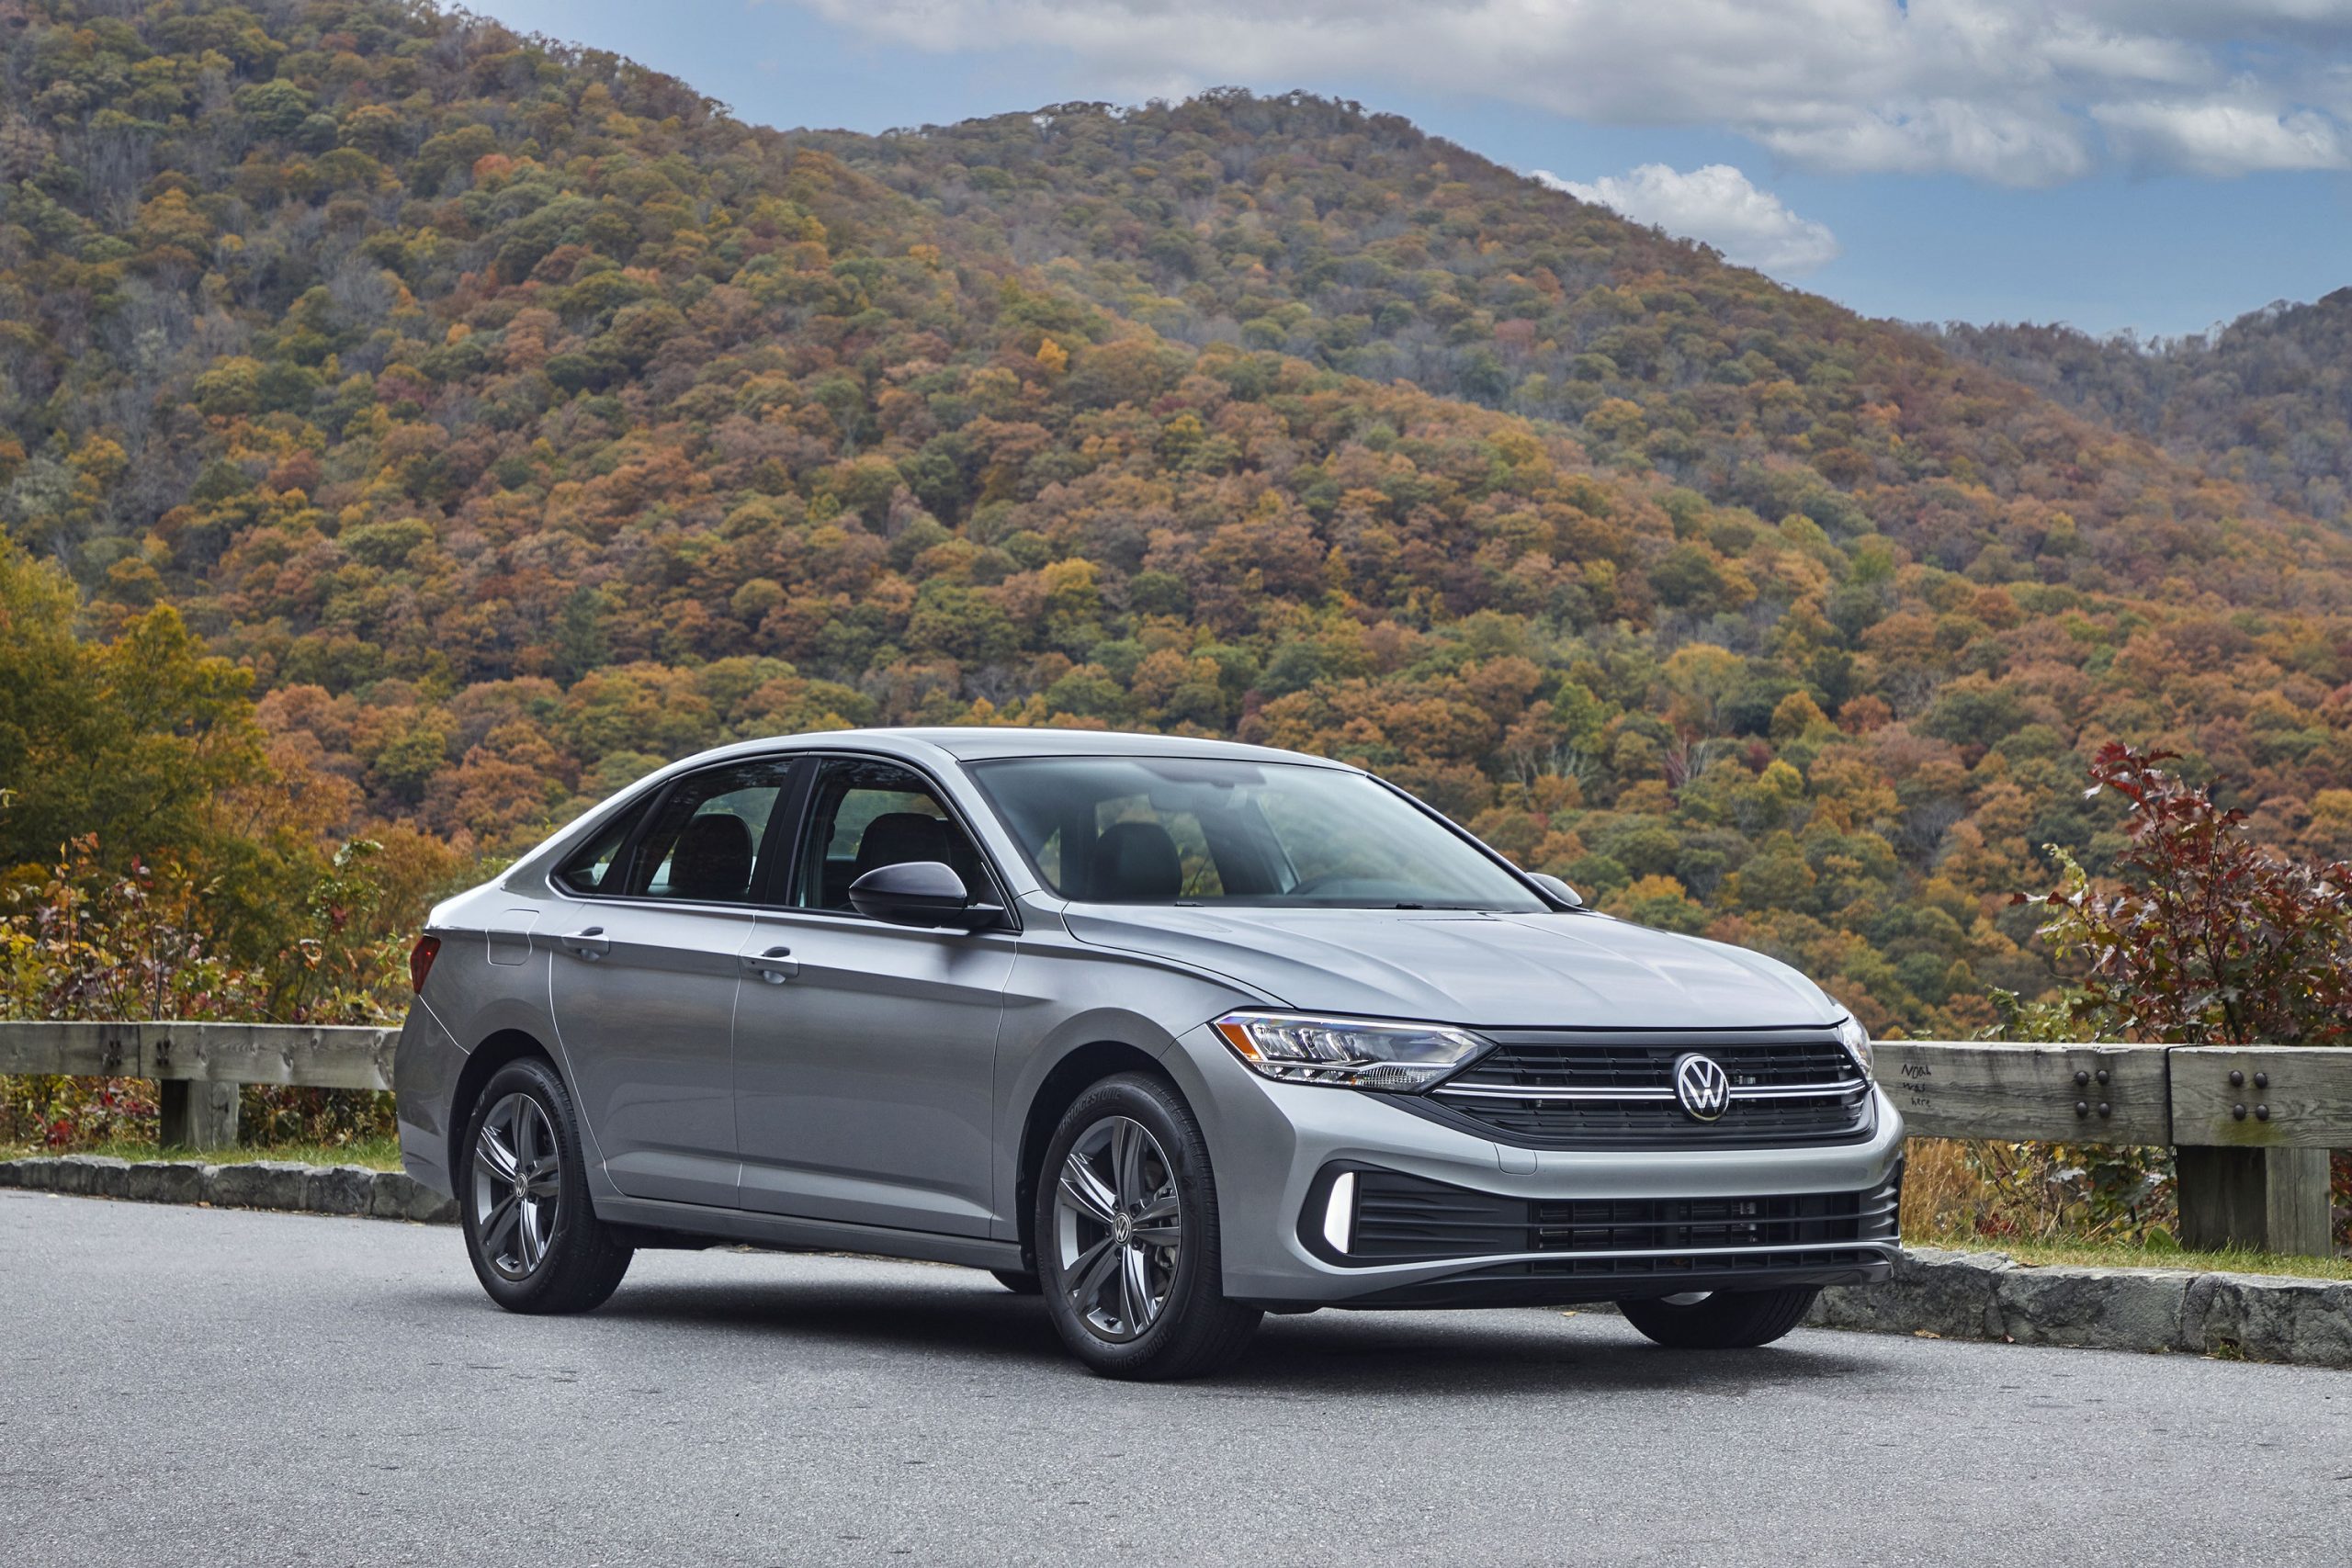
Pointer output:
705, 841
866, 814
593, 863
1183, 830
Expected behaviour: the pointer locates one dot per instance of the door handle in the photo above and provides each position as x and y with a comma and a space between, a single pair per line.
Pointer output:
775, 965
590, 944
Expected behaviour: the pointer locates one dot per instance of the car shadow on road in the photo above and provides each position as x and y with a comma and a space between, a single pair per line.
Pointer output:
1331, 1354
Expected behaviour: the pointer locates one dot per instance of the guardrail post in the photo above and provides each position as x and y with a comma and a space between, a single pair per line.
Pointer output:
196, 1115
2272, 1200
2254, 1124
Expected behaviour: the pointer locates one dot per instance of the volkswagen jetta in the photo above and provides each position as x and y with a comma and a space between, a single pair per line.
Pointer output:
1174, 1033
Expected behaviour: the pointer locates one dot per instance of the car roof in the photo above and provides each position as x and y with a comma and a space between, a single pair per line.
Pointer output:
978, 744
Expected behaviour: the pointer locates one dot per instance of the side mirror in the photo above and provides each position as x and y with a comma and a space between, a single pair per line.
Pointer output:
1556, 888
920, 893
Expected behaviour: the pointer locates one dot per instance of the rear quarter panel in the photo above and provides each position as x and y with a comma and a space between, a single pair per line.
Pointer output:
490, 977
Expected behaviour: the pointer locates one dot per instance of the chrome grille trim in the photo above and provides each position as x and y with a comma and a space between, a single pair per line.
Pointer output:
1466, 1090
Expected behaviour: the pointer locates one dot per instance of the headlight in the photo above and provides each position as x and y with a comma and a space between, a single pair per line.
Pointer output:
1857, 1040
1345, 1052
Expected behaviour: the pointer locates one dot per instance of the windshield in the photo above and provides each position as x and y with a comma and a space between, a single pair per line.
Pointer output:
1182, 831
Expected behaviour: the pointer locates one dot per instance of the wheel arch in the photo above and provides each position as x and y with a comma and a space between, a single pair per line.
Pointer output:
1071, 1076
495, 1051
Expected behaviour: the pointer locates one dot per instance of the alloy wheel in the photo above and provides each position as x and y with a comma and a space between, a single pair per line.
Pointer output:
518, 1184
1118, 1223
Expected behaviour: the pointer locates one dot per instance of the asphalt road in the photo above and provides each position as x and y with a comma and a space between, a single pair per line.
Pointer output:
189, 1386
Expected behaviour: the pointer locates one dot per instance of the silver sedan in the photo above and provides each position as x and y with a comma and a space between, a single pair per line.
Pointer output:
1173, 1033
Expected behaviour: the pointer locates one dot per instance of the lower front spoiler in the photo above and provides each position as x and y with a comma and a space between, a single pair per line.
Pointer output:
1579, 1281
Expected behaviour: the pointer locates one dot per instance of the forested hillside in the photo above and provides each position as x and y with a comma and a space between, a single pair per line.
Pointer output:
2267, 399
518, 420
1355, 240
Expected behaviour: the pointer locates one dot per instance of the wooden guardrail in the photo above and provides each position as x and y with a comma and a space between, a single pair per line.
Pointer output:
197, 1067
2252, 1125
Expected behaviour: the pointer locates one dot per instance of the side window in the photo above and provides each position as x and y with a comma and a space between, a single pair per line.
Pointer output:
591, 867
708, 840
864, 815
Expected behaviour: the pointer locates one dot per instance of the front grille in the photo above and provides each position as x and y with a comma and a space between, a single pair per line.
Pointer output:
1569, 1089
1405, 1218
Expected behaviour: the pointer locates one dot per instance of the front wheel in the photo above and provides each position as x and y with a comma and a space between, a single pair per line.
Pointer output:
1721, 1320
1127, 1238
537, 1244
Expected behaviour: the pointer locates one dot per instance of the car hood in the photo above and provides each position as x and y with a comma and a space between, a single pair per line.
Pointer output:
1565, 970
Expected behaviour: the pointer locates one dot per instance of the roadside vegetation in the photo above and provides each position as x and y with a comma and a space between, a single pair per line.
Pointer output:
376, 1151
2142, 1255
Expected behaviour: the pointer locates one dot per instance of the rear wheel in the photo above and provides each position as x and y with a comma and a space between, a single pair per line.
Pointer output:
535, 1243
1721, 1320
1127, 1238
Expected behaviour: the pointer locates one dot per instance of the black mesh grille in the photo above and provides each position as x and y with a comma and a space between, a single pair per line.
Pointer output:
1403, 1218
1647, 1114
1658, 1224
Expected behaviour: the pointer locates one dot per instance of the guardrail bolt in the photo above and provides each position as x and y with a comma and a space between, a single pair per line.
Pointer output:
2105, 1108
2102, 1075
2082, 1108
2081, 1077
2262, 1080
2262, 1113
2237, 1078
2237, 1111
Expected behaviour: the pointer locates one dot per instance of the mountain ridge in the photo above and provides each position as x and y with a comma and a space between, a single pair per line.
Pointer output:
2265, 401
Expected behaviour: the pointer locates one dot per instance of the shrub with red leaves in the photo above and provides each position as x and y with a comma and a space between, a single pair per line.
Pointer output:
2203, 937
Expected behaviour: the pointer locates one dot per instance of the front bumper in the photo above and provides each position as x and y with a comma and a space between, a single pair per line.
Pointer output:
1471, 1222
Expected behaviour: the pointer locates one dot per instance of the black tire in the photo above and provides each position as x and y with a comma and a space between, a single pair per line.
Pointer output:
582, 1259
1019, 1283
1196, 1330
1726, 1320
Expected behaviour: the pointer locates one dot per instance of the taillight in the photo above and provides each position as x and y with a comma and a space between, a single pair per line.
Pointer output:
420, 962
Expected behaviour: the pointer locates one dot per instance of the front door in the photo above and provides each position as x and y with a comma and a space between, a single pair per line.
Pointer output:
866, 1053
646, 975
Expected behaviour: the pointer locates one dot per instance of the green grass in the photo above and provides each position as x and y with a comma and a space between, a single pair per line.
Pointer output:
2124, 1255
377, 1154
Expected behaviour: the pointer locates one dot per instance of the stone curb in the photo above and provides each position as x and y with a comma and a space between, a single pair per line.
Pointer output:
263, 1184
1988, 1295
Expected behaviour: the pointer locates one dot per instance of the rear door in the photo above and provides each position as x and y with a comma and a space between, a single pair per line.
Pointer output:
866, 1053
646, 971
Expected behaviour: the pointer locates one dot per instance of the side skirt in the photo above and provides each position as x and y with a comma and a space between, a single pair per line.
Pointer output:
805, 1235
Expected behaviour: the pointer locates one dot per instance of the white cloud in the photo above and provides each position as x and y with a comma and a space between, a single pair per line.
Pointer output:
2018, 92
2223, 138
1716, 204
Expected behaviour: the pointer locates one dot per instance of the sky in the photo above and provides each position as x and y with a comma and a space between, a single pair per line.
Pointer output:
2157, 166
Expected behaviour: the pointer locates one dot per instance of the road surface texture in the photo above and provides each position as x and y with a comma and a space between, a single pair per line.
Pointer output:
193, 1386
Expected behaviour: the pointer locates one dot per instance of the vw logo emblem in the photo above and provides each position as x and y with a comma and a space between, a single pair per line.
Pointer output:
1702, 1087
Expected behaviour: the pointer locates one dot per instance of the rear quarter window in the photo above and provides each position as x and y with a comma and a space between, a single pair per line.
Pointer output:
595, 867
